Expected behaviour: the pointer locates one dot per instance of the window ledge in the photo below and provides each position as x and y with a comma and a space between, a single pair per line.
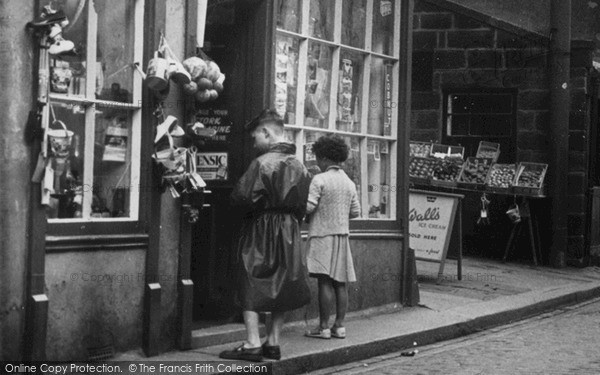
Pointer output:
57, 244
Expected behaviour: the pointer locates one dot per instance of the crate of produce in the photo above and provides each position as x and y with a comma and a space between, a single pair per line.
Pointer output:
420, 170
446, 172
501, 178
488, 150
530, 178
445, 151
420, 149
474, 173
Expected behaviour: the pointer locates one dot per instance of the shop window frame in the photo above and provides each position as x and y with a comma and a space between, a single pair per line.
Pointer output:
470, 142
364, 224
120, 229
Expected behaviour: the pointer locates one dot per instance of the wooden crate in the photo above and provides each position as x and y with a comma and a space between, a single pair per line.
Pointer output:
500, 189
488, 150
417, 163
465, 182
446, 150
453, 181
420, 154
531, 189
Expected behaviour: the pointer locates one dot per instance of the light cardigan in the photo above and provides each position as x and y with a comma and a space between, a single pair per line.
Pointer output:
332, 201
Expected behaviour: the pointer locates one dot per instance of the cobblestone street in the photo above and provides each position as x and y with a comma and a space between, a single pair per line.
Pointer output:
566, 341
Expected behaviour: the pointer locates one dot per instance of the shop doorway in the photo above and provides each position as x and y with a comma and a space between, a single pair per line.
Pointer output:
213, 253
213, 261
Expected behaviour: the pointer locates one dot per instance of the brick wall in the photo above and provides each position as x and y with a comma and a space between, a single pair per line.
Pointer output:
452, 51
579, 123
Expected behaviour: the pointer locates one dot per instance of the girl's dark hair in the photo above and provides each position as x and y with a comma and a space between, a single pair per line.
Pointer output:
331, 147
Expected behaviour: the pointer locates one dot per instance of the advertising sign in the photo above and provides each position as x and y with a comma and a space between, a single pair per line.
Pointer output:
431, 219
217, 119
212, 165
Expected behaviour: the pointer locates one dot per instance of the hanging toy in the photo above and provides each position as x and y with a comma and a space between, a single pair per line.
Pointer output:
51, 23
483, 217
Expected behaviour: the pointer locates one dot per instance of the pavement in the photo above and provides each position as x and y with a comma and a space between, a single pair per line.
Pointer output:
489, 295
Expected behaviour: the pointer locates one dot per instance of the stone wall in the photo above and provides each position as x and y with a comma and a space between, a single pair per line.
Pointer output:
453, 51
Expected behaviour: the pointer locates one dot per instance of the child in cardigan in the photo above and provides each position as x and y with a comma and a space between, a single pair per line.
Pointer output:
332, 202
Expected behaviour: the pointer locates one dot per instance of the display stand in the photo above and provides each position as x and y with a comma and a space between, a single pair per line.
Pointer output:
533, 228
431, 222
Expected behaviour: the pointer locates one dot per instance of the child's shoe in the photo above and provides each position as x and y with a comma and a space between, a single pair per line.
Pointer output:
338, 332
319, 333
60, 46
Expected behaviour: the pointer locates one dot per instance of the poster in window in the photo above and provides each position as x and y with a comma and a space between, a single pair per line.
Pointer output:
308, 153
212, 166
385, 8
219, 120
385, 148
281, 79
345, 91
387, 95
115, 141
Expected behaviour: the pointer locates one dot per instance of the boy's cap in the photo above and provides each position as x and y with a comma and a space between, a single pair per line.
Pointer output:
267, 115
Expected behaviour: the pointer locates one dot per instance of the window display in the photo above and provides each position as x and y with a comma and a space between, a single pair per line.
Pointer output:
381, 104
378, 167
286, 78
101, 104
343, 85
350, 89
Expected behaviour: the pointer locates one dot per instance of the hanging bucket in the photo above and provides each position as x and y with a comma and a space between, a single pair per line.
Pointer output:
157, 77
59, 140
514, 214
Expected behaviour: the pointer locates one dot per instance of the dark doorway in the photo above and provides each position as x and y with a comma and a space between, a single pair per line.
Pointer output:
213, 253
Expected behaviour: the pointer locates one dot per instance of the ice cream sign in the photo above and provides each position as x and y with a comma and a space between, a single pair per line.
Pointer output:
431, 218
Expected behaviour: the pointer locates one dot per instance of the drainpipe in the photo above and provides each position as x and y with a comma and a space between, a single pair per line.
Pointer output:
560, 67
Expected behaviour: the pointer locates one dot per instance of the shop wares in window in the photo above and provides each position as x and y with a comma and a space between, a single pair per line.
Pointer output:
61, 76
59, 140
51, 23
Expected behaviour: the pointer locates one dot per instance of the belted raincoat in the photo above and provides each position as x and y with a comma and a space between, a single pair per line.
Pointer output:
272, 267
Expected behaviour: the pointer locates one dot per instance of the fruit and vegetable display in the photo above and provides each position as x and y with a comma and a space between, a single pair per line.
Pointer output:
447, 169
531, 175
206, 79
475, 170
420, 149
444, 166
502, 175
421, 167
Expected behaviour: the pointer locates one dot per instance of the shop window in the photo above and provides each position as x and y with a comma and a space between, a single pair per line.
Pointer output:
481, 115
96, 94
336, 72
